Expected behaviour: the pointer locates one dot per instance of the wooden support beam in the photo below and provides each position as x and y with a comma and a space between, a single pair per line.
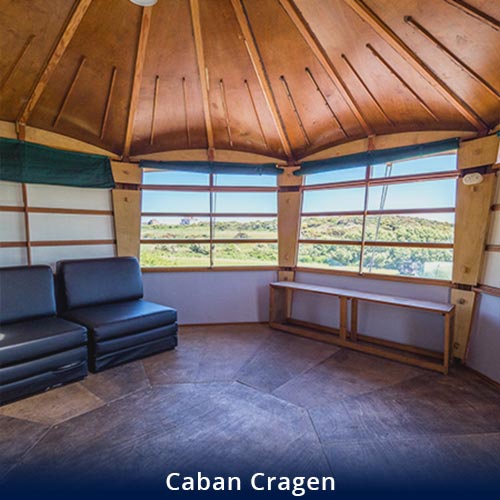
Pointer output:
258, 65
69, 91
27, 223
327, 104
111, 87
226, 111
291, 100
320, 54
427, 34
289, 209
126, 173
153, 114
186, 111
471, 227
127, 215
402, 81
67, 35
389, 36
136, 83
203, 72
367, 89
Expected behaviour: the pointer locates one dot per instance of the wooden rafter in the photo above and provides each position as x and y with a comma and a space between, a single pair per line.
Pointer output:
320, 54
203, 72
136, 84
369, 16
261, 73
54, 59
17, 60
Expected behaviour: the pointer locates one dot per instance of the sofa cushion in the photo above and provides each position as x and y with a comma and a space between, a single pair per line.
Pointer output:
56, 363
37, 338
26, 292
98, 281
122, 318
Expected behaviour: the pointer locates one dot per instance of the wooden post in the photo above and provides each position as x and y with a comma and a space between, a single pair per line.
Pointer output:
289, 209
127, 208
277, 305
471, 228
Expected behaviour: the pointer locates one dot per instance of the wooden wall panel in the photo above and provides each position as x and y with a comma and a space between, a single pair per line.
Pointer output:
464, 301
478, 152
471, 226
127, 210
126, 173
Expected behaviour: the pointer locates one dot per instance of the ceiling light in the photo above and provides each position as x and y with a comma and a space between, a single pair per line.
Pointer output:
144, 3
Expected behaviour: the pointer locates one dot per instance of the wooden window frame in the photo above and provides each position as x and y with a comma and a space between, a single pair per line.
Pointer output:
212, 216
367, 182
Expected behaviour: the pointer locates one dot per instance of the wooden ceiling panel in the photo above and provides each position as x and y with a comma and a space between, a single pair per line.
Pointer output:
29, 29
232, 87
170, 57
308, 120
393, 90
283, 78
103, 49
469, 39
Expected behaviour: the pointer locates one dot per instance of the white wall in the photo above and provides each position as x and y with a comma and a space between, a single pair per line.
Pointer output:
50, 227
212, 296
225, 297
484, 349
418, 328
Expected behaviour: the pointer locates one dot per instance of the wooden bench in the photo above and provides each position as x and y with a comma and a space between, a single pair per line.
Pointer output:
281, 298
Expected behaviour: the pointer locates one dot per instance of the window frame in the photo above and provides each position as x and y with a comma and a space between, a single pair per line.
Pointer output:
212, 216
367, 182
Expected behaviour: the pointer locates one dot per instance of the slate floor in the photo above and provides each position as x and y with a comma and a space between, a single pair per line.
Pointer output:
240, 399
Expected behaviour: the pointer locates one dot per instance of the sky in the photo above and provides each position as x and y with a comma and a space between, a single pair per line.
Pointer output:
425, 194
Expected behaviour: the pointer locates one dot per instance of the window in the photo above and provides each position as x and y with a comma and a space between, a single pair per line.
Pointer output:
201, 220
395, 219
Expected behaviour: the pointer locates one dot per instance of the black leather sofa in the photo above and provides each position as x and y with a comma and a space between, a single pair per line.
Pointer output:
38, 351
105, 295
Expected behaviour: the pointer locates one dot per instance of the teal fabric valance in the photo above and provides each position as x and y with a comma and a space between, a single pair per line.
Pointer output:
31, 163
376, 157
214, 167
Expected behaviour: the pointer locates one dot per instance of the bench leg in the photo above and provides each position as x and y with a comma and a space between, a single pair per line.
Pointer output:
354, 320
277, 305
343, 318
289, 302
448, 318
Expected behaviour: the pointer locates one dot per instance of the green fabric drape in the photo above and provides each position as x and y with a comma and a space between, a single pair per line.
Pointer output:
214, 167
376, 157
31, 163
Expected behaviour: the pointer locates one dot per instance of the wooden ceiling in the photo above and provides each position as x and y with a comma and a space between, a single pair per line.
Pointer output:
281, 78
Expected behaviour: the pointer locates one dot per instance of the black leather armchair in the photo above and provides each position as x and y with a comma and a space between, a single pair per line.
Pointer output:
38, 351
105, 295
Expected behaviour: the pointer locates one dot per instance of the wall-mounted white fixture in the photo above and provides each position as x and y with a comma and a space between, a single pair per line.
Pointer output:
144, 3
472, 179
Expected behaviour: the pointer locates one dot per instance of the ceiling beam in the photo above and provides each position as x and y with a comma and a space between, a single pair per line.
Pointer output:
262, 77
136, 83
369, 16
64, 40
320, 54
203, 72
